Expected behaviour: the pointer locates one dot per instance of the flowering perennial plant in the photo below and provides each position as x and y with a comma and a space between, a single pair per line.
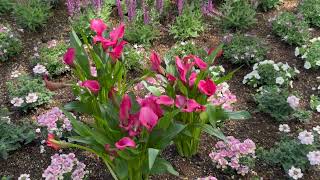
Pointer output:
234, 154
315, 103
270, 73
310, 53
310, 10
65, 166
10, 44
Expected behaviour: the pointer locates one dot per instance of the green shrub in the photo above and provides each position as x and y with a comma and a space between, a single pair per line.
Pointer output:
13, 136
32, 14
187, 25
291, 28
315, 103
311, 53
266, 5
310, 9
270, 73
134, 58
139, 32
236, 14
21, 89
245, 49
10, 44
6, 6
51, 55
182, 49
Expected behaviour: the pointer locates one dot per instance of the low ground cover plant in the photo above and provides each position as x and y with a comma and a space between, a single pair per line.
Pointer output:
50, 56
182, 49
245, 49
10, 43
32, 14
292, 28
27, 92
266, 5
310, 52
6, 6
134, 58
270, 73
315, 103
310, 10
238, 14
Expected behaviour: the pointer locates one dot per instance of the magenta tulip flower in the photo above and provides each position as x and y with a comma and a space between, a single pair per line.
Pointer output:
125, 108
188, 105
124, 143
171, 78
148, 118
200, 63
151, 103
69, 56
117, 33
183, 67
165, 100
207, 87
155, 62
98, 26
192, 78
92, 85
117, 50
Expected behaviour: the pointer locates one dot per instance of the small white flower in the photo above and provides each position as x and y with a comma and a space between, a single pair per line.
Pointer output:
276, 67
183, 43
15, 74
6, 118
318, 108
284, 128
40, 69
17, 102
24, 177
31, 98
42, 150
279, 80
317, 129
304, 56
296, 51
307, 65
293, 101
291, 84
38, 130
306, 137
314, 157
296, 70
295, 173
318, 63
285, 67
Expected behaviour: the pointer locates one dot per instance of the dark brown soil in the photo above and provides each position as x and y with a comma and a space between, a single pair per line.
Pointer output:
261, 128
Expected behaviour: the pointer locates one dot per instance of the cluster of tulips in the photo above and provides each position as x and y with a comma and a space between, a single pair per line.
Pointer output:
129, 132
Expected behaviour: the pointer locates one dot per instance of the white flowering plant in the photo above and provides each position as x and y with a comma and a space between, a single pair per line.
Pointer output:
48, 60
310, 10
295, 155
315, 103
310, 52
280, 104
27, 92
245, 49
270, 73
10, 44
135, 58
292, 28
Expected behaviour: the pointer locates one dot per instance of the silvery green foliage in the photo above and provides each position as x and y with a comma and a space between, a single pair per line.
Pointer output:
270, 73
310, 52
310, 9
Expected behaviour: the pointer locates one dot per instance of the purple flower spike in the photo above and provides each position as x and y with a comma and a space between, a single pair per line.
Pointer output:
180, 6
146, 17
120, 12
159, 5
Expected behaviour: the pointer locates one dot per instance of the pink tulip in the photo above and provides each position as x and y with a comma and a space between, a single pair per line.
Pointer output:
165, 100
69, 56
151, 103
155, 62
117, 33
200, 63
192, 78
117, 50
92, 85
125, 108
98, 26
171, 78
148, 118
207, 87
124, 143
188, 105
184, 67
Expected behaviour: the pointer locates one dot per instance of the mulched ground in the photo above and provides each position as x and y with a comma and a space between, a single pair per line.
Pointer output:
261, 128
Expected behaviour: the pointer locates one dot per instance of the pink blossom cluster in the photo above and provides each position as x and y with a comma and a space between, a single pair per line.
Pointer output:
229, 154
52, 118
223, 97
64, 164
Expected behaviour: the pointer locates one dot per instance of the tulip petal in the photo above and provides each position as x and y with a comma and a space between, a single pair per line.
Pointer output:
69, 56
124, 143
98, 26
148, 118
165, 100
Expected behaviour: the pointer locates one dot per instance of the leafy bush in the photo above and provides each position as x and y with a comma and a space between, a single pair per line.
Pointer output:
266, 5
310, 9
6, 6
51, 55
13, 136
182, 49
139, 32
27, 92
291, 28
269, 73
236, 14
134, 58
10, 44
315, 103
32, 14
311, 53
187, 25
244, 49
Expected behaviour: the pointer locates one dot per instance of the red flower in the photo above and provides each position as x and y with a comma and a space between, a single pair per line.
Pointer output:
165, 100
192, 78
207, 87
69, 56
183, 67
124, 143
51, 143
156, 62
148, 118
98, 26
117, 50
125, 108
200, 63
92, 85
188, 105
117, 33
171, 78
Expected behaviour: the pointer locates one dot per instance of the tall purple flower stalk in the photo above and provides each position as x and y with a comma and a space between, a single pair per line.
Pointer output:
159, 5
97, 4
131, 6
208, 9
180, 6
73, 6
146, 16
120, 12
